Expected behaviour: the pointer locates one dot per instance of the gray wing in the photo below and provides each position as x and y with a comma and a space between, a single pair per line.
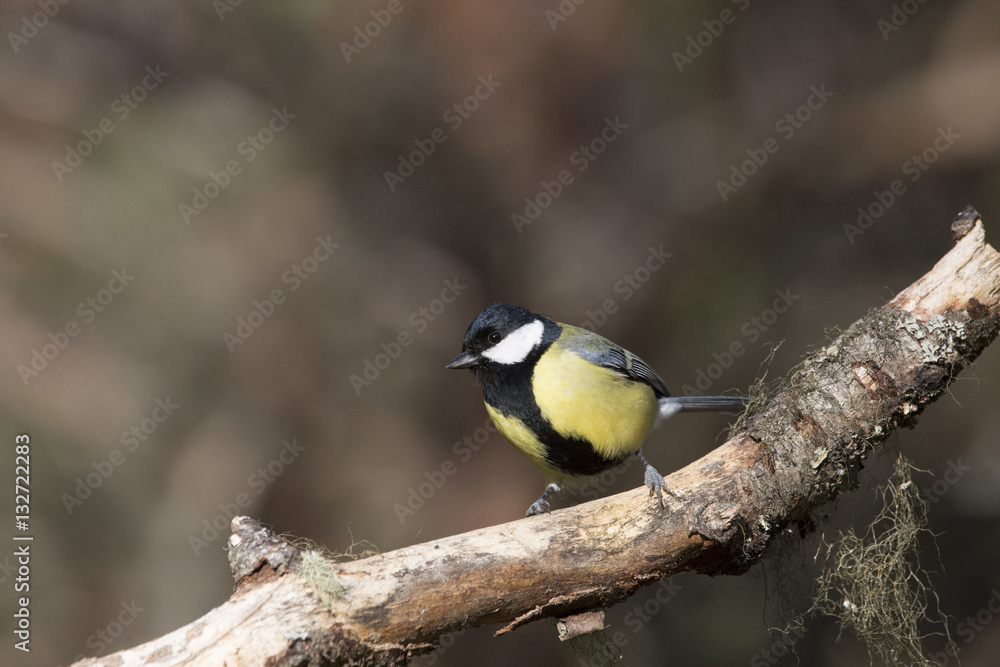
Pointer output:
601, 351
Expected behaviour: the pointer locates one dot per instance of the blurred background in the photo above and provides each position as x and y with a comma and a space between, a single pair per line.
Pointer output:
239, 242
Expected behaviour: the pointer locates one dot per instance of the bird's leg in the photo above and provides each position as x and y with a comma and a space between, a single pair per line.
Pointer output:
654, 480
541, 506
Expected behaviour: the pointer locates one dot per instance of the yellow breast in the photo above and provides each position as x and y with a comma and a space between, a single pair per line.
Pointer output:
586, 401
525, 440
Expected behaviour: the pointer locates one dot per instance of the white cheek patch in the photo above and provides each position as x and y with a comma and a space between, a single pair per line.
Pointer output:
518, 345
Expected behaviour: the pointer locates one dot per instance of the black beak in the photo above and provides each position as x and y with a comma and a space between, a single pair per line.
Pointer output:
464, 360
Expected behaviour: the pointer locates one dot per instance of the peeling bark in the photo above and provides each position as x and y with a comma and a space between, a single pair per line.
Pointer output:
798, 452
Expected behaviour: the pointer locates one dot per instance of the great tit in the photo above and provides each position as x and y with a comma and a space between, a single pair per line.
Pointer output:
574, 403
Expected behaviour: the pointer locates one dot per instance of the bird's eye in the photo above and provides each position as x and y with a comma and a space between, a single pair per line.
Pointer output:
495, 337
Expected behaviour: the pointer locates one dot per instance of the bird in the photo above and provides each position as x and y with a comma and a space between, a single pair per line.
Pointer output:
573, 402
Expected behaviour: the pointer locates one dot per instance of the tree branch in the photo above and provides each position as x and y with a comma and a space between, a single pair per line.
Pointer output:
798, 452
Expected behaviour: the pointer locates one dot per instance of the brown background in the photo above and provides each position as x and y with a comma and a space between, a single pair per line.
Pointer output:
324, 176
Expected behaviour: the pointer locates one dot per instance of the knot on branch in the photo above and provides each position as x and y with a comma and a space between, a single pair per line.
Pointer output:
251, 547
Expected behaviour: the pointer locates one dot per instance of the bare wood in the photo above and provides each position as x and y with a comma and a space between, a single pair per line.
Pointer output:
798, 452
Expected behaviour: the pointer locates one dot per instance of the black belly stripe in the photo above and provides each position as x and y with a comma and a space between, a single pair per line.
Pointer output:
510, 393
575, 456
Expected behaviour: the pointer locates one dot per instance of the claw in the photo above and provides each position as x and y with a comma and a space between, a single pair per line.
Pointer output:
541, 506
656, 484
654, 480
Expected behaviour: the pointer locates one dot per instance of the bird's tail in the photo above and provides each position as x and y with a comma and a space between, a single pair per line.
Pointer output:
671, 405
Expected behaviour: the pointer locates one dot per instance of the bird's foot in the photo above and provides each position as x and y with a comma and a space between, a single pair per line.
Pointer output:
541, 506
654, 480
